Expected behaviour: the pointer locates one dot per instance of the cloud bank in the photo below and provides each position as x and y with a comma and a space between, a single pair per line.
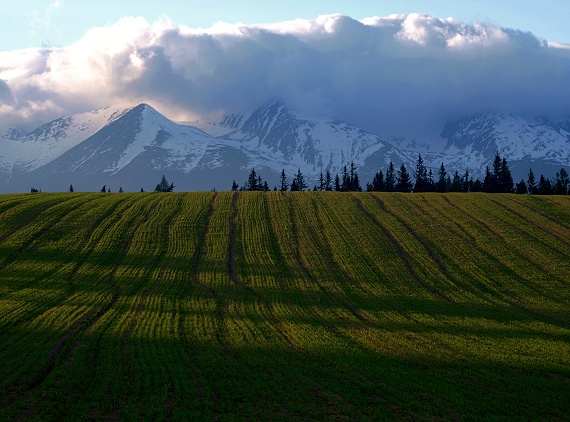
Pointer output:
395, 74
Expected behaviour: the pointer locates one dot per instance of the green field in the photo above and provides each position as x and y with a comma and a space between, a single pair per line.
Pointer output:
282, 306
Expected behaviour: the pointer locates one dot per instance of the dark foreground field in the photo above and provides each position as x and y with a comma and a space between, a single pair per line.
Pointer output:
284, 306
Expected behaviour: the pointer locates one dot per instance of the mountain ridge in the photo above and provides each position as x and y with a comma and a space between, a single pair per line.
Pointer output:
133, 146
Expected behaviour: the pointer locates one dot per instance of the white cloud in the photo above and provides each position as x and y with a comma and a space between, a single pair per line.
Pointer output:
383, 73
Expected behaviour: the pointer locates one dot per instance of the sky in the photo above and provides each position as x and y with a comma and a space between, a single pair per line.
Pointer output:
378, 64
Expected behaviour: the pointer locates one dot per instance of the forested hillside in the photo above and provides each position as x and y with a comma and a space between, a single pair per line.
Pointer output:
284, 305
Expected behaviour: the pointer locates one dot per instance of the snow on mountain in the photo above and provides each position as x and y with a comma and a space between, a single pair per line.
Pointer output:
27, 153
278, 137
472, 143
132, 147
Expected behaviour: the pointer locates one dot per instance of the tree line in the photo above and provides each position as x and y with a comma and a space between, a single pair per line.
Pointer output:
497, 179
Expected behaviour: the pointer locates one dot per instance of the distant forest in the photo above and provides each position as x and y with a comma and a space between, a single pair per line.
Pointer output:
498, 179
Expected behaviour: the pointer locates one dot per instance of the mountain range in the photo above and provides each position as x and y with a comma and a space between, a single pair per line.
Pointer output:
132, 147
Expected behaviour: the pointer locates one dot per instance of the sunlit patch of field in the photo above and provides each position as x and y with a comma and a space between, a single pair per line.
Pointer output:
298, 305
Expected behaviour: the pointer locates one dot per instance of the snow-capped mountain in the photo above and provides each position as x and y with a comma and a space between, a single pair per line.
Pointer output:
132, 147
472, 144
277, 137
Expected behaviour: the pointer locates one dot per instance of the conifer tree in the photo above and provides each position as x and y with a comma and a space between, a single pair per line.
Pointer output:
531, 182
328, 181
404, 183
442, 179
521, 188
300, 180
390, 178
321, 181
71, 188
420, 173
561, 182
337, 186
378, 184
235, 186
252, 181
283, 182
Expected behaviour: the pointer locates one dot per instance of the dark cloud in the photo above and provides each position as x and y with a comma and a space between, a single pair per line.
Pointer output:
398, 74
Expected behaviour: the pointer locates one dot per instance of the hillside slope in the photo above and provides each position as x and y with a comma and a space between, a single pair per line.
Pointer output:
284, 306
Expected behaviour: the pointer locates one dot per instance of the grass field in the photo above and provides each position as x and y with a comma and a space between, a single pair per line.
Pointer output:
284, 306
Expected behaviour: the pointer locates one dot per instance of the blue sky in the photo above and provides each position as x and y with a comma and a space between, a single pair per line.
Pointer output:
36, 23
378, 73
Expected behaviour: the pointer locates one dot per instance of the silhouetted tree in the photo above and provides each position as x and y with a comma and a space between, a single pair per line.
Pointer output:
521, 188
321, 181
544, 186
252, 181
235, 186
531, 183
104, 189
336, 183
121, 189
300, 180
561, 182
164, 186
71, 188
294, 186
420, 173
328, 181
442, 179
404, 183
456, 183
378, 184
283, 181
390, 178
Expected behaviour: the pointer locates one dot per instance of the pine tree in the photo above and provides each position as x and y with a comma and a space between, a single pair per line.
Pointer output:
235, 186
420, 173
456, 184
466, 182
163, 186
294, 187
328, 181
561, 182
378, 184
337, 183
521, 188
300, 180
531, 182
345, 186
71, 188
441, 181
544, 186
121, 189
390, 178
506, 179
321, 181
251, 184
104, 189
404, 183
283, 181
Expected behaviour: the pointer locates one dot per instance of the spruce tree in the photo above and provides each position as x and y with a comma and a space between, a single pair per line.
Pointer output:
283, 182
442, 179
521, 188
531, 182
71, 188
321, 181
328, 181
404, 183
561, 182
252, 181
300, 180
506, 179
420, 173
337, 183
235, 186
390, 178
